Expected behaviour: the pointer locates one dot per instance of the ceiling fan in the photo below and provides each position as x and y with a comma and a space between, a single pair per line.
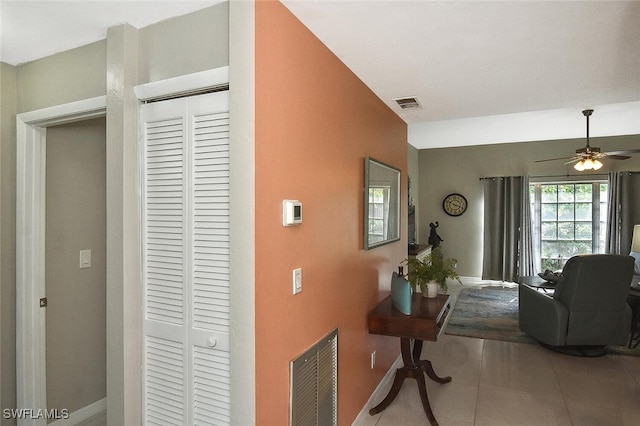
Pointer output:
587, 158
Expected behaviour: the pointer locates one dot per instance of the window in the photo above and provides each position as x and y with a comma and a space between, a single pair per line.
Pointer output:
569, 218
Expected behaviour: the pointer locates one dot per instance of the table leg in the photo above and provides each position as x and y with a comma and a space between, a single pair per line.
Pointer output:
401, 374
424, 397
427, 367
414, 368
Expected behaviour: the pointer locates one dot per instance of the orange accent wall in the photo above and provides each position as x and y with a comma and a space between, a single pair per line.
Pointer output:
315, 124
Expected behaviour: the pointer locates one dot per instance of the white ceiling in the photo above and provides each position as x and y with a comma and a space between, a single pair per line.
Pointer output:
484, 71
491, 72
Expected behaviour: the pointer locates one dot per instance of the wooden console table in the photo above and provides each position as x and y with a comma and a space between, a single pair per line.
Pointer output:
425, 323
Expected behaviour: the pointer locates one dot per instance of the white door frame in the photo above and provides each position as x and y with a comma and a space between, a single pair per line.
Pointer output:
30, 245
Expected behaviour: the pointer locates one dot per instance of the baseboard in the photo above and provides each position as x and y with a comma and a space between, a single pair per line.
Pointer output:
82, 414
378, 393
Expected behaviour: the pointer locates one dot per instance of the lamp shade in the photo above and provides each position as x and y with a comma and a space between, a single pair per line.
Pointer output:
588, 163
635, 243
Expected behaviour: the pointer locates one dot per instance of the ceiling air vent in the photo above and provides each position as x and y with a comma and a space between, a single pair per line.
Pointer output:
407, 103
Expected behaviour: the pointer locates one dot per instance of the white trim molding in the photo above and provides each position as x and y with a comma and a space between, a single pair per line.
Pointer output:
31, 137
65, 113
378, 394
183, 85
82, 414
30, 319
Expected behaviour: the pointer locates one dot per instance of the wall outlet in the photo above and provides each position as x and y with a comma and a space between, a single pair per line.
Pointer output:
297, 280
373, 359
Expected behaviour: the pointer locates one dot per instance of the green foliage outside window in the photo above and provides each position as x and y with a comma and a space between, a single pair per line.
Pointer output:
566, 221
376, 212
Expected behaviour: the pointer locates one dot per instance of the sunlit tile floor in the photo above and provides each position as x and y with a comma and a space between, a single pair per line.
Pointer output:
501, 383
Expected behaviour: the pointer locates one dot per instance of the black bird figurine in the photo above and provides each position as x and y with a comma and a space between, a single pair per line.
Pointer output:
434, 238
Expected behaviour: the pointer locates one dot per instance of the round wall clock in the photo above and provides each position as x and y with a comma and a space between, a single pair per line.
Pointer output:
454, 204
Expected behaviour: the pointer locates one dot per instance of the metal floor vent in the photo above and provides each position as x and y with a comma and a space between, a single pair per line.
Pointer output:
407, 103
314, 384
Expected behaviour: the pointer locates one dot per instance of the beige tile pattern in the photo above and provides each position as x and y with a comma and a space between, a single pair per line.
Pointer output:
502, 383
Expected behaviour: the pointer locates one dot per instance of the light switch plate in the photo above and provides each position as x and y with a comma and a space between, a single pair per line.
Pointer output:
297, 280
85, 258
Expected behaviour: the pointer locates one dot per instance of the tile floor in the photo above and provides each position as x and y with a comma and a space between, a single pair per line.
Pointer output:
501, 383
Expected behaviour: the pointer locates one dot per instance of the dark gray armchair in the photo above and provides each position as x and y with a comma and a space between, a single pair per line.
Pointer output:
589, 305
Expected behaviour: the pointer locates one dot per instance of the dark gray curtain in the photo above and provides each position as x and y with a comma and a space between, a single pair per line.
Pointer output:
508, 243
624, 210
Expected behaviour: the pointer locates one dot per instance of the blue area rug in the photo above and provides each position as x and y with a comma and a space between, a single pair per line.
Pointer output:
492, 313
487, 313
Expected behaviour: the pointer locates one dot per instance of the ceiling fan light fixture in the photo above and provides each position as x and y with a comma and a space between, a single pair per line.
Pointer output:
587, 157
588, 164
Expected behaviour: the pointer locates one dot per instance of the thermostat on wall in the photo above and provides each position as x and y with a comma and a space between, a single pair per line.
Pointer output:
291, 212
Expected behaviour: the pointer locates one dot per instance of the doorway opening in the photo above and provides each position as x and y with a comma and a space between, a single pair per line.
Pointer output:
31, 245
75, 266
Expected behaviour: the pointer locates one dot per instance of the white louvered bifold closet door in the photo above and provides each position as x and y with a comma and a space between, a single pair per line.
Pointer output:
185, 200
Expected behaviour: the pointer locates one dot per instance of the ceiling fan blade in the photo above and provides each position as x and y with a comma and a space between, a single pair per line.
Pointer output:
623, 152
559, 158
617, 157
575, 160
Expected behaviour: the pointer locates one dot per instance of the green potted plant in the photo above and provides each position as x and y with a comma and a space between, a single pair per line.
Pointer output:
433, 269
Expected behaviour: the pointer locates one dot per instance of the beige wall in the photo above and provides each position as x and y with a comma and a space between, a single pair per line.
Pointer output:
65, 77
61, 78
76, 220
194, 42
447, 170
8, 104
